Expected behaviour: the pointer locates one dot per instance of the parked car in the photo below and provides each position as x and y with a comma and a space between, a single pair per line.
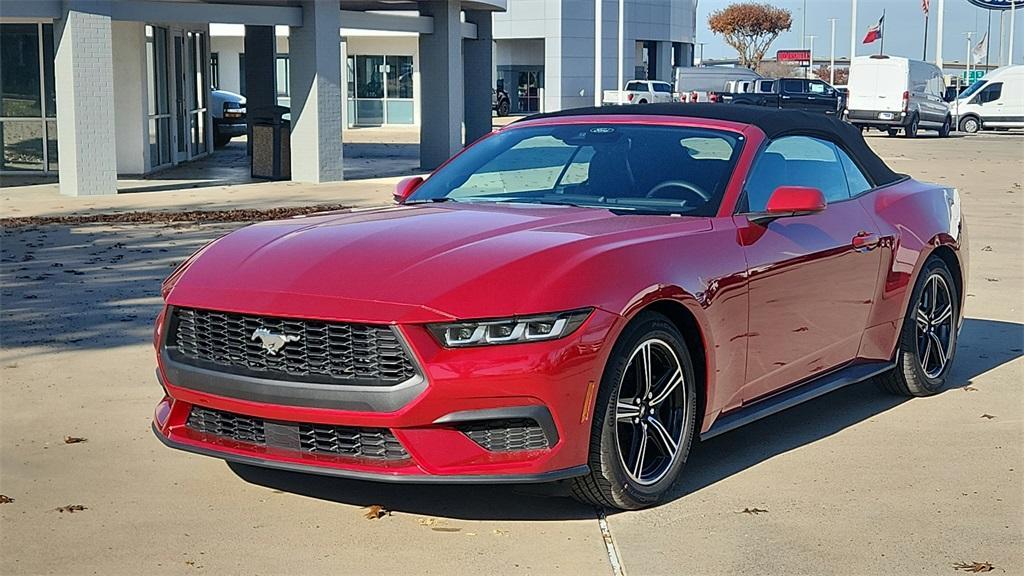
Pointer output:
696, 84
567, 298
843, 91
793, 94
228, 112
640, 92
893, 93
995, 101
500, 103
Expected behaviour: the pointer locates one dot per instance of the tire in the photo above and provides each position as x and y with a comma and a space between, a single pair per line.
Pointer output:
892, 132
610, 483
642, 102
503, 108
220, 141
947, 127
917, 372
911, 130
970, 125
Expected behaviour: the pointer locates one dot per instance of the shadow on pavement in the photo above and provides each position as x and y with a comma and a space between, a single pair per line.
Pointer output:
983, 346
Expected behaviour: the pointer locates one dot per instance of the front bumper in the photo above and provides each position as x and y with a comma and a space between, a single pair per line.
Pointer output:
878, 118
552, 384
230, 126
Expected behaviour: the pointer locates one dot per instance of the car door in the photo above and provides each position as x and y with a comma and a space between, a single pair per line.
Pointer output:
821, 97
793, 94
993, 105
812, 278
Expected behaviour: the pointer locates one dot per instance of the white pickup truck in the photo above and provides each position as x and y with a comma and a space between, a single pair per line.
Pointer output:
640, 92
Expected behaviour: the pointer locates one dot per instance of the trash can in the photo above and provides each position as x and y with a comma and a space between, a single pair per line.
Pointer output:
271, 143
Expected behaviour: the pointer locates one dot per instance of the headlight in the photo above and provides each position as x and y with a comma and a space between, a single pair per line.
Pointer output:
508, 330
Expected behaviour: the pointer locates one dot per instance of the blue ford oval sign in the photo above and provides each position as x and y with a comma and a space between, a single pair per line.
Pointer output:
997, 4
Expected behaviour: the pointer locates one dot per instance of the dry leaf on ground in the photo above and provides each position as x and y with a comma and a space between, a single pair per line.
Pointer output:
74, 439
974, 567
987, 416
376, 511
754, 511
4, 499
71, 508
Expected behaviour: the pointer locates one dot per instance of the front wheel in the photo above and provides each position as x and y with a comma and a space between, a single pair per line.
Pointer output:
970, 125
643, 418
928, 339
503, 108
947, 127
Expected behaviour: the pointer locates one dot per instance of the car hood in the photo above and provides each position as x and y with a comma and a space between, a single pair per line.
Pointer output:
416, 263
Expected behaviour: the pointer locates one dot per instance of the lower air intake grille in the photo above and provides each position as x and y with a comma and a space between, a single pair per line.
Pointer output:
510, 435
370, 443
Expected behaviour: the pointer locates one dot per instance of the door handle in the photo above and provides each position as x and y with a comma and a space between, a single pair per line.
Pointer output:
865, 241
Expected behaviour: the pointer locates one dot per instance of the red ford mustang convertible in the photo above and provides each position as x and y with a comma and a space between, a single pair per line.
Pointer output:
577, 296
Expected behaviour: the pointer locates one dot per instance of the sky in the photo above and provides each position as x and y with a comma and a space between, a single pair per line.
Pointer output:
904, 30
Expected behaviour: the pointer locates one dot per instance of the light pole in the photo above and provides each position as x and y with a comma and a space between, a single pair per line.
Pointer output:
597, 52
938, 35
701, 44
803, 25
832, 55
1013, 11
853, 29
967, 78
810, 57
622, 12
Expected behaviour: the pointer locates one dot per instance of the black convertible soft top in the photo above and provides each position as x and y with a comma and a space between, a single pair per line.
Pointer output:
773, 122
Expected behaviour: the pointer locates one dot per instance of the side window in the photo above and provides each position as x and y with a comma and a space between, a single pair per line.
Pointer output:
796, 161
662, 87
815, 87
855, 179
635, 87
992, 92
793, 86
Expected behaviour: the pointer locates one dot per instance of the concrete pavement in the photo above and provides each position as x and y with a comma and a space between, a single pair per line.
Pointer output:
856, 482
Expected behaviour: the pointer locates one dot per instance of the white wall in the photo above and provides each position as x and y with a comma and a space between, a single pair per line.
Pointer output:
128, 42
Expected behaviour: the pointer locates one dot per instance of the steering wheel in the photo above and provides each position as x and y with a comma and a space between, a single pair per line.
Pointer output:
683, 184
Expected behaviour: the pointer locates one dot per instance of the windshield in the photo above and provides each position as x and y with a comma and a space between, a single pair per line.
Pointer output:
972, 89
621, 167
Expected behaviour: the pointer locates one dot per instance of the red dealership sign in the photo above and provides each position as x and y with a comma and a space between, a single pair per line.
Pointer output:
801, 57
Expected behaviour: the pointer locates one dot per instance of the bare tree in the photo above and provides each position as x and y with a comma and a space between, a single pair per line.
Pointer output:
842, 75
750, 28
772, 69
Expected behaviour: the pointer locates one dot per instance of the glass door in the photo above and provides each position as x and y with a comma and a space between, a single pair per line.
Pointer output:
197, 90
380, 90
159, 113
180, 117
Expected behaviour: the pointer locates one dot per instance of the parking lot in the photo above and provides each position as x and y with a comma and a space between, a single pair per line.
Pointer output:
856, 482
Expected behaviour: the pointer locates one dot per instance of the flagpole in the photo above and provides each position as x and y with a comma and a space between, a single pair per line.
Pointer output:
988, 36
924, 51
853, 30
968, 61
832, 55
938, 35
598, 52
1013, 12
881, 32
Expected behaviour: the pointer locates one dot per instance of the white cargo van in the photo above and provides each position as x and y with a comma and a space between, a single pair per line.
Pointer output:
893, 93
995, 101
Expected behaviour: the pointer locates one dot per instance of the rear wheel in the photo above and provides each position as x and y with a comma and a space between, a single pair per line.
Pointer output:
970, 125
503, 108
947, 127
928, 338
220, 140
911, 130
642, 101
643, 419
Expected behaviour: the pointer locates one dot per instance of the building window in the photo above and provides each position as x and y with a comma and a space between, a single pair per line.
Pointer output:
282, 76
215, 70
380, 90
27, 98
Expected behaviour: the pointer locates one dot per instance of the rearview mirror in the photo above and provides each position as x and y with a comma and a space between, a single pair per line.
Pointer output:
788, 201
405, 188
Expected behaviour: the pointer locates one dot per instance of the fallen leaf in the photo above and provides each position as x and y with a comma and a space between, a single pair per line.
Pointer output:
969, 389
4, 499
754, 511
986, 249
427, 521
445, 529
988, 416
376, 511
74, 439
974, 567
71, 508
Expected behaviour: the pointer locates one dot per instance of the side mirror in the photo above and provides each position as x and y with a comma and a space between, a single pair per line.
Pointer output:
406, 187
791, 201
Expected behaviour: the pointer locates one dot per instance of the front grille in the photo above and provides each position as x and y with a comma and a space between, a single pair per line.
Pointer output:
316, 351
511, 435
369, 443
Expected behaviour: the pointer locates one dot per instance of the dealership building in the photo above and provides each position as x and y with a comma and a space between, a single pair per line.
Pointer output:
93, 89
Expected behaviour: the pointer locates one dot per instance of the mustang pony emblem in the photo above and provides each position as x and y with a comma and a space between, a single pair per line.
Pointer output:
272, 342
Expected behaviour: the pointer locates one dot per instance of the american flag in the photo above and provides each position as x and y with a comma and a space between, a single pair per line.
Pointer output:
925, 5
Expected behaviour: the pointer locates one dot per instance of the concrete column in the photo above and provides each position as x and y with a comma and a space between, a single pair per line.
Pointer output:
130, 105
442, 83
260, 65
315, 62
84, 83
663, 61
477, 75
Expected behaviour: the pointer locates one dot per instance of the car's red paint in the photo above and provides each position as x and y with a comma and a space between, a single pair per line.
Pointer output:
795, 200
774, 303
